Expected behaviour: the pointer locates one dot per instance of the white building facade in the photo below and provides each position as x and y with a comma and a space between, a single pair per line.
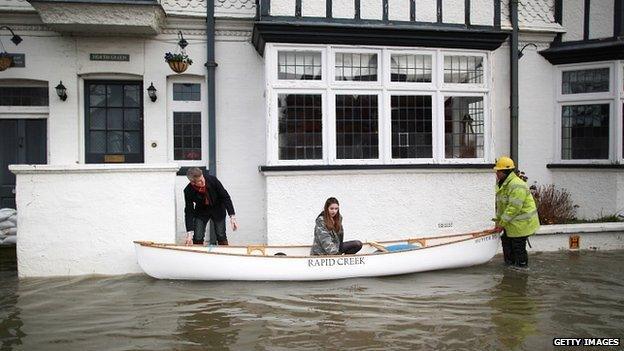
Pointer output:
396, 107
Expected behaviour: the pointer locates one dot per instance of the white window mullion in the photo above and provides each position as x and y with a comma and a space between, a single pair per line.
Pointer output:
438, 131
331, 126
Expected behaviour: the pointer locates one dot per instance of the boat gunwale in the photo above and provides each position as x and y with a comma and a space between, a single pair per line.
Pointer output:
473, 235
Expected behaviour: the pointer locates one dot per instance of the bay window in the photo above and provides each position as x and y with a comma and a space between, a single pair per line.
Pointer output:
367, 105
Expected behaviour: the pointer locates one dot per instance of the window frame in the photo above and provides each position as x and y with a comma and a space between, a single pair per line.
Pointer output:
598, 98
329, 88
200, 106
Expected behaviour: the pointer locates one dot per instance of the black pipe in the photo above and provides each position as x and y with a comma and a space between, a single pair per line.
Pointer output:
210, 77
513, 81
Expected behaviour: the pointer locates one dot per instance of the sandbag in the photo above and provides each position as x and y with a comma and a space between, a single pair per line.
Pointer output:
10, 240
10, 231
13, 219
5, 213
6, 224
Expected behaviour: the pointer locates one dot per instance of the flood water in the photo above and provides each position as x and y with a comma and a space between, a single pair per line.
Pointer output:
488, 307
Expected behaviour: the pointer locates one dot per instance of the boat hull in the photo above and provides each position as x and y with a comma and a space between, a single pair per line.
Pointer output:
165, 262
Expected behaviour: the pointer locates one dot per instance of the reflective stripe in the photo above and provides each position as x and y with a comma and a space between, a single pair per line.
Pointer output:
520, 217
527, 215
516, 201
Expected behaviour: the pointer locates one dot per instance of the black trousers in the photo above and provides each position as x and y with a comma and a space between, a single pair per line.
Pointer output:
200, 231
514, 251
350, 247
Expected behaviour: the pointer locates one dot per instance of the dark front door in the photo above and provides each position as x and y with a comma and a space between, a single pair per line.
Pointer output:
22, 141
113, 122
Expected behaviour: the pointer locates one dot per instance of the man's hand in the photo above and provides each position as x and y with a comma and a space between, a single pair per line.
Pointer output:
233, 223
189, 239
497, 229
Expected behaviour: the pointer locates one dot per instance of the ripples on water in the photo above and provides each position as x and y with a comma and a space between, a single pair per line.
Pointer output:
487, 307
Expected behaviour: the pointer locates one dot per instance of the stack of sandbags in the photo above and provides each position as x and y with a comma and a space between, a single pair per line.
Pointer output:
8, 226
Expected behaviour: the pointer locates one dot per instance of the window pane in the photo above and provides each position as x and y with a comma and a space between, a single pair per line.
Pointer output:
299, 65
23, 96
132, 96
114, 142
97, 142
463, 69
132, 141
132, 119
114, 94
115, 119
357, 127
463, 127
187, 143
411, 127
98, 118
356, 67
300, 130
585, 132
585, 81
97, 95
410, 68
186, 92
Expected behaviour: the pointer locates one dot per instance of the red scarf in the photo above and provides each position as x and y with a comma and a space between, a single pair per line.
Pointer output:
202, 191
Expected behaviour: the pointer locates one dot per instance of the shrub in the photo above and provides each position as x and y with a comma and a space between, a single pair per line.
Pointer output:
554, 206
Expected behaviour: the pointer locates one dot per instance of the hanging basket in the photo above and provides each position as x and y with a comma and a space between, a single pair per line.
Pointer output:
6, 61
178, 66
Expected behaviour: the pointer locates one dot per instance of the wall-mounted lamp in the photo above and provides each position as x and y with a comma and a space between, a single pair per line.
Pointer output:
521, 52
151, 91
16, 39
182, 42
61, 91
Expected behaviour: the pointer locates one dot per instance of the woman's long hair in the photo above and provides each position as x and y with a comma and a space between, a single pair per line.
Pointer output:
333, 224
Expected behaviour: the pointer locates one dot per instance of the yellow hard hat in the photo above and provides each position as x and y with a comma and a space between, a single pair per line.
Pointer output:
504, 162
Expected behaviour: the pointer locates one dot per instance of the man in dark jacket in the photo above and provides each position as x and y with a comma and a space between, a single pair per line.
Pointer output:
206, 200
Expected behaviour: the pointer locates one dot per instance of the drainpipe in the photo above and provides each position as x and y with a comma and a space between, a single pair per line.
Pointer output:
513, 99
210, 76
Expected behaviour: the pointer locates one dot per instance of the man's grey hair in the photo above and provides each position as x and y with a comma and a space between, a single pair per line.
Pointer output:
193, 172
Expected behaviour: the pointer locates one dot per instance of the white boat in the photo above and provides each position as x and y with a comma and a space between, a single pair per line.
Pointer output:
260, 262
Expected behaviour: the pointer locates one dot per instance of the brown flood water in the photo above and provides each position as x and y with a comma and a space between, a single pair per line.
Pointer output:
488, 307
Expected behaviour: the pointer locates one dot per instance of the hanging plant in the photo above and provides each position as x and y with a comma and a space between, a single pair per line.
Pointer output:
5, 60
178, 62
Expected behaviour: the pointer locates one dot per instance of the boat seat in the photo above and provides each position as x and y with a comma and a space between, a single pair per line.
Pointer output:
422, 242
260, 248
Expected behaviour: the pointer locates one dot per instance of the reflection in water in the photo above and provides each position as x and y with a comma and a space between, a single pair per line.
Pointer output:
486, 307
514, 314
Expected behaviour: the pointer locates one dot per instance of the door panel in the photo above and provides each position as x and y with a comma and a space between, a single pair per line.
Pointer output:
22, 141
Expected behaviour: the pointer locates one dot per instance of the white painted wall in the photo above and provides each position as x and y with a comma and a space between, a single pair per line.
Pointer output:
500, 100
573, 15
241, 140
594, 190
379, 205
536, 114
426, 11
399, 10
482, 12
453, 11
343, 9
82, 219
282, 8
371, 9
313, 8
601, 19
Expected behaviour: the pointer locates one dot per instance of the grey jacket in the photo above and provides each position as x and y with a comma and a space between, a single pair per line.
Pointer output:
326, 242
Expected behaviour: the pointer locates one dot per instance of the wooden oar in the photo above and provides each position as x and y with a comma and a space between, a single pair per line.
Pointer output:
378, 246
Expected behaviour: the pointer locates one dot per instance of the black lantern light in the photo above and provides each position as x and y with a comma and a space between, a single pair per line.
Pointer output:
61, 91
16, 39
151, 91
182, 42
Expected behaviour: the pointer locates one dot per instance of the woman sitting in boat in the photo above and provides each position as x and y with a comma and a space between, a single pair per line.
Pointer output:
329, 232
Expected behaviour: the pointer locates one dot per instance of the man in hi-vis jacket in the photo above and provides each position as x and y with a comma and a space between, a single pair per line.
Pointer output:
516, 213
205, 200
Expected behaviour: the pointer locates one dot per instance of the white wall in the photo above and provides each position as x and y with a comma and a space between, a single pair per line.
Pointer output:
313, 8
380, 205
595, 191
500, 101
82, 219
453, 11
426, 11
601, 19
399, 10
573, 15
371, 9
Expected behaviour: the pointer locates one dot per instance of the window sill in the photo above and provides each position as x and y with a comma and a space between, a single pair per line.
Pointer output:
584, 166
459, 166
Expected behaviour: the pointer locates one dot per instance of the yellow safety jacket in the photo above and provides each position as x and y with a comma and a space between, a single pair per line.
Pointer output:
515, 208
